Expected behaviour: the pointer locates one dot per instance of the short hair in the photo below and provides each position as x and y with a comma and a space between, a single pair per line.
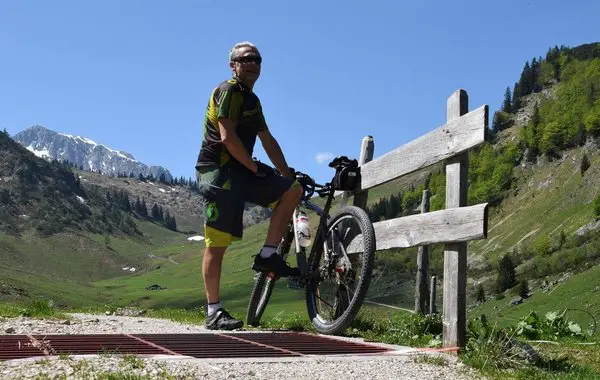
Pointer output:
233, 53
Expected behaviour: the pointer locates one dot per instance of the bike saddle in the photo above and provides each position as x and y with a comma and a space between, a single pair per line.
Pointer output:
343, 161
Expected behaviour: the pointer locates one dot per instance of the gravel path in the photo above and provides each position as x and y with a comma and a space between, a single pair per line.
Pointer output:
167, 367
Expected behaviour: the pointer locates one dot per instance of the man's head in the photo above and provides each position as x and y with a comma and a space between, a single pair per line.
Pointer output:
245, 62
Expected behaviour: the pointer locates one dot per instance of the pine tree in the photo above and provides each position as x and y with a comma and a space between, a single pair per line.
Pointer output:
524, 289
166, 218
141, 177
138, 206
144, 210
155, 212
562, 239
585, 164
506, 275
535, 118
525, 80
124, 201
597, 207
480, 296
534, 74
516, 97
162, 178
507, 103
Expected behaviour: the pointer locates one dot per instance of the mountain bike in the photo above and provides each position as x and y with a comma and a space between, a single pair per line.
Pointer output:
340, 259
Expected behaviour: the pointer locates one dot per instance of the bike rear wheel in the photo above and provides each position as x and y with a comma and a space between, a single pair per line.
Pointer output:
344, 270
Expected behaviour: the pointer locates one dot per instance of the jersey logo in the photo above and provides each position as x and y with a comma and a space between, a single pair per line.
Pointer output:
250, 112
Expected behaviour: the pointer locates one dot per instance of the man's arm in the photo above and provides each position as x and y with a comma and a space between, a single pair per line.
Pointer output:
234, 145
274, 152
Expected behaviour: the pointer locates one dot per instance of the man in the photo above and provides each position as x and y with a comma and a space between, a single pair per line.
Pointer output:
228, 177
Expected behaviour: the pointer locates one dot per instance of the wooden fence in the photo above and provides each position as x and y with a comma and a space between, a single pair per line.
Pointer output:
456, 224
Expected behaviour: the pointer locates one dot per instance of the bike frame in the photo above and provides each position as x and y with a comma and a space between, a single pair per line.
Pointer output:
320, 235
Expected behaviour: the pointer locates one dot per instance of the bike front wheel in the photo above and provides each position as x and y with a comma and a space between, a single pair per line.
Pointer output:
261, 293
344, 263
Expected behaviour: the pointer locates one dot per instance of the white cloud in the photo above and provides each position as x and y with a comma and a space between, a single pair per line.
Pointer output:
324, 157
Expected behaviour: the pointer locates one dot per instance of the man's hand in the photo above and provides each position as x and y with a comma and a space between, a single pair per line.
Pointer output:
263, 170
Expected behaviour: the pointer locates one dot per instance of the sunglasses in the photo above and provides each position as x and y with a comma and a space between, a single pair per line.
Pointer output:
257, 59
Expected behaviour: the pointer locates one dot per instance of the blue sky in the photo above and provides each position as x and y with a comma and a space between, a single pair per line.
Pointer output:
135, 75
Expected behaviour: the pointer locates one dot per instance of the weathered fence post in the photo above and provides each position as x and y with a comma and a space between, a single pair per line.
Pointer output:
433, 295
421, 291
455, 254
366, 154
367, 149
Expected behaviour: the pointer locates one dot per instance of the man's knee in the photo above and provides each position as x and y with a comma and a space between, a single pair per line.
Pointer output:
215, 251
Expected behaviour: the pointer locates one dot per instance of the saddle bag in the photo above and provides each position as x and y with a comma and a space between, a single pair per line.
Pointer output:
346, 178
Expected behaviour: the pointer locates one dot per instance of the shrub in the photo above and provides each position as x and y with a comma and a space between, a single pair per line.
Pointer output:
585, 164
541, 245
506, 275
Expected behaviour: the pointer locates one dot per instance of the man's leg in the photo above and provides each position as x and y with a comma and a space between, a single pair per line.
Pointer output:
287, 198
211, 271
282, 214
217, 318
220, 218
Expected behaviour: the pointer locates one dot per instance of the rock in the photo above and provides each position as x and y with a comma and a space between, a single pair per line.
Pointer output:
525, 351
155, 287
516, 301
10, 330
593, 226
67, 322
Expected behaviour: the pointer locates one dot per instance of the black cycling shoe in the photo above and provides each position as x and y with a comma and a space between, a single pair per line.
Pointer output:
222, 320
275, 264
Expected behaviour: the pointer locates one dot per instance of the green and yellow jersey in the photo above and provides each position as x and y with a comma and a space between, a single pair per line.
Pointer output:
231, 99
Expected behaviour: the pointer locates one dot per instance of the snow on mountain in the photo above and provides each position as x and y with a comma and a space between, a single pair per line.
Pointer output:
84, 152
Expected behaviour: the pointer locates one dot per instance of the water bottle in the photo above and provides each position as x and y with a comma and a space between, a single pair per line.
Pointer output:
303, 229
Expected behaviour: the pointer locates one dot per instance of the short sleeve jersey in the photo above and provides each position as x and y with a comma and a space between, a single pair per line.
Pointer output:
231, 99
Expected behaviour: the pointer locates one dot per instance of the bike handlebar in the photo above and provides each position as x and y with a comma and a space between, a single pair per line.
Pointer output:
310, 186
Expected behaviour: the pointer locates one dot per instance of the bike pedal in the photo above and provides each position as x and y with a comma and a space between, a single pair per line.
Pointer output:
294, 283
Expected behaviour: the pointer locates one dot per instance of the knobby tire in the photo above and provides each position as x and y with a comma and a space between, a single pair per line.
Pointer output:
338, 325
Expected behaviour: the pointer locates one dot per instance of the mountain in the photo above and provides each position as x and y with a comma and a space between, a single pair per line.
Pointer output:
48, 198
61, 227
84, 153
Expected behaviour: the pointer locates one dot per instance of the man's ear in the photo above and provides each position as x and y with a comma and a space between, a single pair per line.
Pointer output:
232, 66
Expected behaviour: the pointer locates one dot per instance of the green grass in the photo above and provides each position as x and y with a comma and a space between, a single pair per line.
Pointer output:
63, 266
580, 295
551, 198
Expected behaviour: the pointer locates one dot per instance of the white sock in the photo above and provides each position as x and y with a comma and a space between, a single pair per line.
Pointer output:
267, 251
213, 307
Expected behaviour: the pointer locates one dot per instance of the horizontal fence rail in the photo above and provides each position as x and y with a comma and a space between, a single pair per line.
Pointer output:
444, 226
453, 138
